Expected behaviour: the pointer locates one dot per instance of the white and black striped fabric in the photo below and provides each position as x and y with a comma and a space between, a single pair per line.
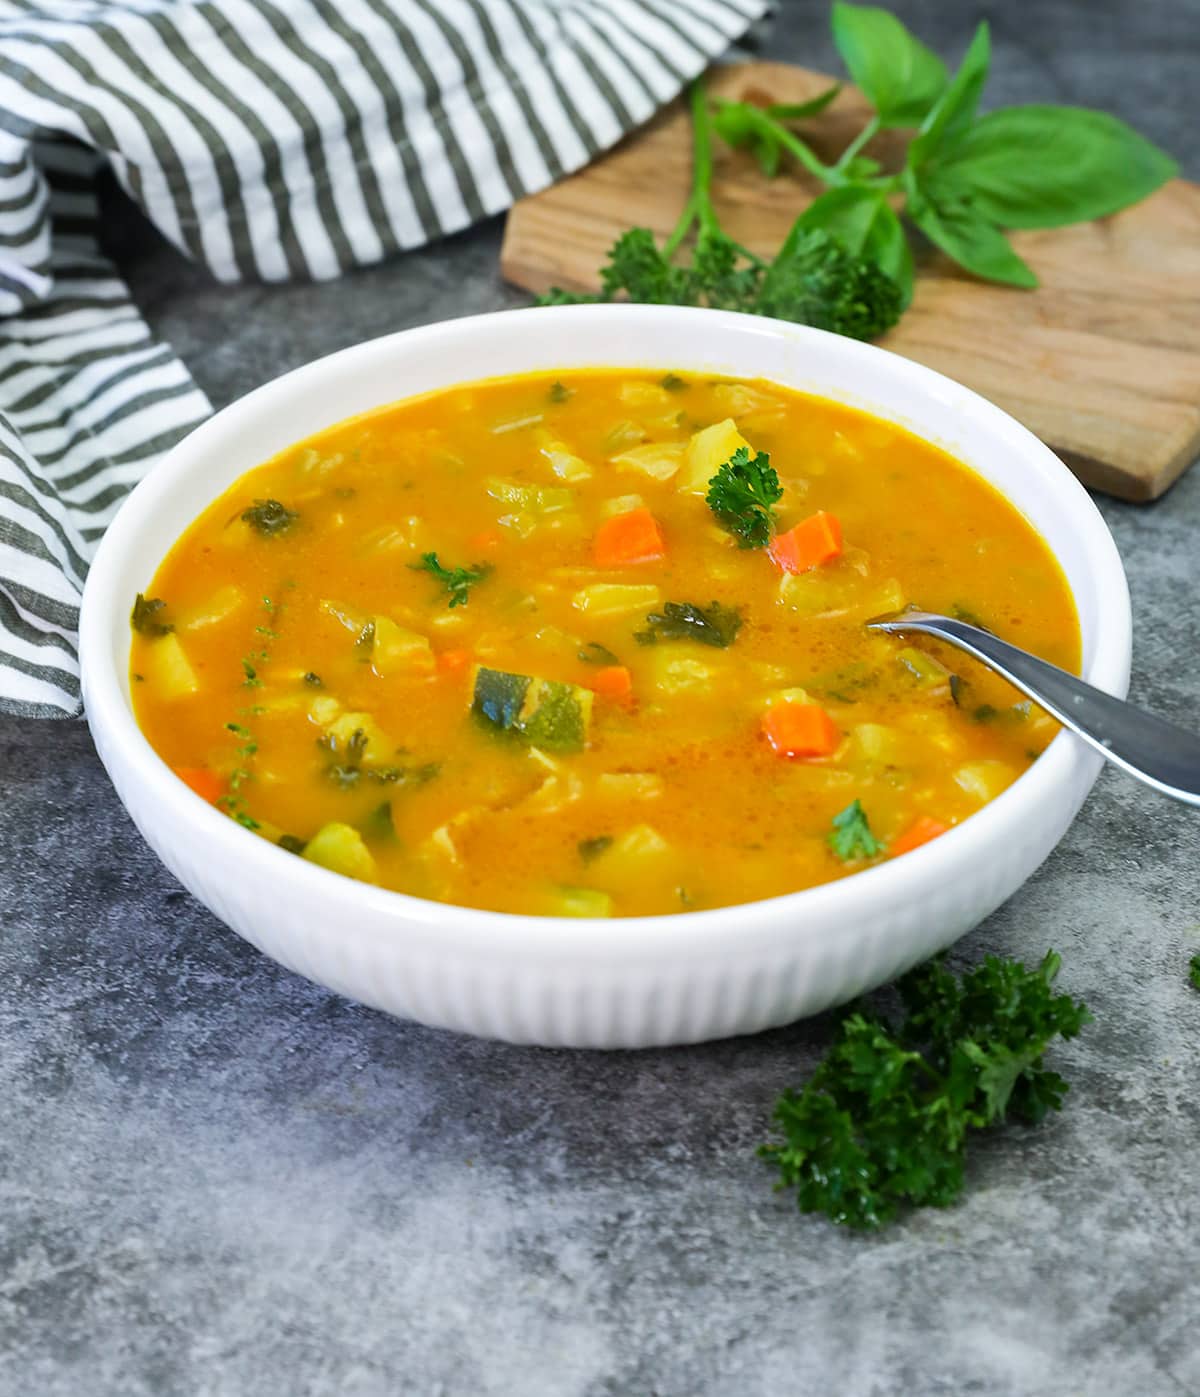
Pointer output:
268, 139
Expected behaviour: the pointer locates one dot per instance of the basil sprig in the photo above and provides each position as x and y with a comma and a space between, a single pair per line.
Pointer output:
966, 178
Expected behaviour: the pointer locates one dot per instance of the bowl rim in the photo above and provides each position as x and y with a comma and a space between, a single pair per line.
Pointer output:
466, 929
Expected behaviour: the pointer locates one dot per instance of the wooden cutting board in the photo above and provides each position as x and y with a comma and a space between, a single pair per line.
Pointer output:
1102, 361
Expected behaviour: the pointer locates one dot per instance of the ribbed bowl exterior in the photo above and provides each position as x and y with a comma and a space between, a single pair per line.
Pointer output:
631, 982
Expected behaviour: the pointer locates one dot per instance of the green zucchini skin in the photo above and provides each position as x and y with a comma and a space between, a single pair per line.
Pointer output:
545, 713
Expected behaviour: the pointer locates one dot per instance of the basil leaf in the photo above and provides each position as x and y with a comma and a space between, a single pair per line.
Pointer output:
902, 78
951, 118
970, 240
866, 225
738, 124
800, 111
1043, 167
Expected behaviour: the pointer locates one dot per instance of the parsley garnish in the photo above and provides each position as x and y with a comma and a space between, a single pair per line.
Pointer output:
146, 617
560, 393
884, 1120
673, 383
1194, 971
715, 624
741, 495
270, 518
851, 837
457, 581
589, 848
593, 653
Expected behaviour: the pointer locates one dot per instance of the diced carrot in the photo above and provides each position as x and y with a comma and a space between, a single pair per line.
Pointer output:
813, 541
628, 538
207, 784
921, 831
800, 730
486, 539
613, 682
453, 661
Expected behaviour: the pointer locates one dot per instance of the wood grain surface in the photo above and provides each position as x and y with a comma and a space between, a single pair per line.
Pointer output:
1102, 361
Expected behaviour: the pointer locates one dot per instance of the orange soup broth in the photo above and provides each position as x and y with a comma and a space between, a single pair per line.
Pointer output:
502, 826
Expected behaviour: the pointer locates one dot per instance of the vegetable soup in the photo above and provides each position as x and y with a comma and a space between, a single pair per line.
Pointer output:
593, 644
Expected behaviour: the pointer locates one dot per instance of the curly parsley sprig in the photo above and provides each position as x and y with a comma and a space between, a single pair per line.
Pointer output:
741, 495
885, 1119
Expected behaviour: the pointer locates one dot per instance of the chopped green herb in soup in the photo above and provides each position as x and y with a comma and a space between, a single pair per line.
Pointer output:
592, 644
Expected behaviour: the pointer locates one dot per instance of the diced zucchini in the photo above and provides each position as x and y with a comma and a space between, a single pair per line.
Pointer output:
930, 675
221, 605
543, 712
629, 785
707, 452
581, 902
660, 460
340, 847
984, 780
168, 669
530, 499
616, 598
400, 651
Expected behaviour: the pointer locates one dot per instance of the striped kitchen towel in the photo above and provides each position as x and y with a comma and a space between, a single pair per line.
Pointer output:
268, 139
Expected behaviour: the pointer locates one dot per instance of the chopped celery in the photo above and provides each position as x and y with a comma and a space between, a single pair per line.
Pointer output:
400, 651
624, 434
707, 452
660, 460
515, 424
623, 504
564, 463
629, 785
616, 598
530, 499
169, 670
340, 847
929, 673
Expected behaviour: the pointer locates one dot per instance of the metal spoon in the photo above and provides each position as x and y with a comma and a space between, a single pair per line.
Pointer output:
1155, 751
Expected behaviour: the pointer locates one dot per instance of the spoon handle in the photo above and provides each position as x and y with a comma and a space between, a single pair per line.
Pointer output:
1157, 752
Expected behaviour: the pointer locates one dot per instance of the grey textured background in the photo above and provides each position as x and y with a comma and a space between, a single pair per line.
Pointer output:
218, 1179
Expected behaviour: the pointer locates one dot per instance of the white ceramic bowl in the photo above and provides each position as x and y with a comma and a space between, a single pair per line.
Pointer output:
628, 982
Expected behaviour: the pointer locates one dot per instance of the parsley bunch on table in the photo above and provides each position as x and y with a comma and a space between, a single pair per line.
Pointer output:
885, 1119
813, 279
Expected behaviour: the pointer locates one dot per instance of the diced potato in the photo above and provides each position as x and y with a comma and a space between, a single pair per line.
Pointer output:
877, 744
645, 394
640, 842
400, 651
673, 673
341, 848
792, 695
581, 902
623, 504
323, 709
169, 670
660, 460
984, 780
629, 785
707, 452
219, 607
379, 747
616, 598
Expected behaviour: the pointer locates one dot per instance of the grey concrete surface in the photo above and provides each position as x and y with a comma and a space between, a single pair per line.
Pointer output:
218, 1180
